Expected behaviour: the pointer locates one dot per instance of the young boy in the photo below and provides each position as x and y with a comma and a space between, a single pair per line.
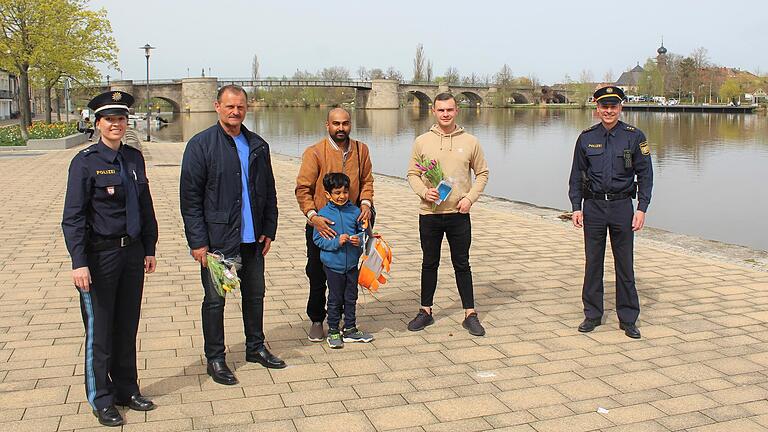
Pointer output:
340, 255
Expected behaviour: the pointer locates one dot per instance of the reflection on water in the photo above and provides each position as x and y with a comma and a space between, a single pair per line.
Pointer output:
707, 166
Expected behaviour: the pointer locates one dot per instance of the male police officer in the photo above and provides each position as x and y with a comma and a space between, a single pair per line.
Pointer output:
110, 229
607, 159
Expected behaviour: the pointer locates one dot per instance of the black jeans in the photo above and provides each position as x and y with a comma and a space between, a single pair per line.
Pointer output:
252, 291
317, 279
458, 229
110, 311
342, 297
615, 217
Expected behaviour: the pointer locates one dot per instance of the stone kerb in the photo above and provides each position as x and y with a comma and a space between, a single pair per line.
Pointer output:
57, 143
198, 94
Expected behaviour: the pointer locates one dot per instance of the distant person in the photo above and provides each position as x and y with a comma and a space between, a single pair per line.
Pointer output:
337, 152
340, 256
229, 206
608, 158
111, 232
84, 126
459, 155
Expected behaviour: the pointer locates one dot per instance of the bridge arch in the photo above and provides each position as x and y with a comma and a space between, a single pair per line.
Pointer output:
141, 105
519, 98
474, 99
424, 100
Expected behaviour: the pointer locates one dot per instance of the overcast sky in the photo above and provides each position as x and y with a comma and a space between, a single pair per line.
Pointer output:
546, 39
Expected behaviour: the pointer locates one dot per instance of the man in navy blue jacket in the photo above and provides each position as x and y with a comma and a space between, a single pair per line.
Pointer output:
229, 206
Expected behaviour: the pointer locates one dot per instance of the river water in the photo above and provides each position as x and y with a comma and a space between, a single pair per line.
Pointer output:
709, 168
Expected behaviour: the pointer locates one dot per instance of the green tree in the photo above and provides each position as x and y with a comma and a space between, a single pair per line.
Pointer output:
49, 39
730, 90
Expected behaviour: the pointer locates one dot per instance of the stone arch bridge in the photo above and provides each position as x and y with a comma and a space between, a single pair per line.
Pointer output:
198, 94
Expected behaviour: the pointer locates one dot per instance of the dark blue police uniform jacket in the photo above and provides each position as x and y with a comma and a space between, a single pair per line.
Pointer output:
95, 208
604, 156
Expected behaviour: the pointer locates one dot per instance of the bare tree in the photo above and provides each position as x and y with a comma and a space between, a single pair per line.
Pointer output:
608, 77
334, 73
376, 73
452, 75
504, 76
394, 74
363, 73
418, 63
255, 67
429, 75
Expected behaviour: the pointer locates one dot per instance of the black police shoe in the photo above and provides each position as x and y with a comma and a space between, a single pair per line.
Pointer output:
630, 329
109, 416
137, 402
265, 358
220, 372
589, 324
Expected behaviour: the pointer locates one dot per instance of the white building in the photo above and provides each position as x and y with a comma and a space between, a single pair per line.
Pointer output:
8, 91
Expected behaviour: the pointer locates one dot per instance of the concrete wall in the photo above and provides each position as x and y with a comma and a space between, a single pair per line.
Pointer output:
57, 143
198, 94
382, 95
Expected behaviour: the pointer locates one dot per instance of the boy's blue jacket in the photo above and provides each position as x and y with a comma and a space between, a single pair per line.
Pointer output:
338, 258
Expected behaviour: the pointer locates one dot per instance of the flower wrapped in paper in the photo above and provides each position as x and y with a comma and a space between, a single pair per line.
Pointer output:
431, 169
223, 272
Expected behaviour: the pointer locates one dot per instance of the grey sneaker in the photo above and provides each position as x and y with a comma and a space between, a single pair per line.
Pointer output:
356, 335
473, 326
334, 339
422, 320
316, 333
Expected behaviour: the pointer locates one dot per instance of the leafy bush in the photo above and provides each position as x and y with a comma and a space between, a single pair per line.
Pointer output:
11, 135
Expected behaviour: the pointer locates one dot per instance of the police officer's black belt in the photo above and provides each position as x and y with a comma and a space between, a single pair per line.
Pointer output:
608, 197
110, 243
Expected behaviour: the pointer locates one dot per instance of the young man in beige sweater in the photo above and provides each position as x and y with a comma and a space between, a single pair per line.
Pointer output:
459, 154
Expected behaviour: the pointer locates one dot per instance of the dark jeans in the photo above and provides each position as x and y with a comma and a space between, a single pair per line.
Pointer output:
458, 229
252, 291
615, 217
316, 275
110, 311
342, 297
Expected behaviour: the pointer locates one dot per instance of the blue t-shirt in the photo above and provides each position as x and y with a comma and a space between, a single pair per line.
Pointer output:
246, 226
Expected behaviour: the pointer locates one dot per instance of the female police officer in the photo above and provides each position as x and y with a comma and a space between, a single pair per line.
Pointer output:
110, 230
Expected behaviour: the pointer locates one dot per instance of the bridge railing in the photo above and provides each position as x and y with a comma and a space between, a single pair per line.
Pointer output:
279, 82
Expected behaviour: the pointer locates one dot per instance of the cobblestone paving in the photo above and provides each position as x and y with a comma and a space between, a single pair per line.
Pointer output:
700, 366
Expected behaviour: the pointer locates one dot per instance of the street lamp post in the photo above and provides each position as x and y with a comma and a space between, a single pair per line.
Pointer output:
147, 48
107, 82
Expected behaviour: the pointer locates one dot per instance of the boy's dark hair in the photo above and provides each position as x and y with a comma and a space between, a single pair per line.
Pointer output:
333, 181
443, 97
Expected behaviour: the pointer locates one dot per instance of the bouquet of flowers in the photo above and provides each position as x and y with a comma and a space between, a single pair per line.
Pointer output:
223, 272
434, 173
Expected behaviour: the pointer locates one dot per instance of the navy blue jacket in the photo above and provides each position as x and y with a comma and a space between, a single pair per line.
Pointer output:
600, 153
211, 188
339, 258
94, 207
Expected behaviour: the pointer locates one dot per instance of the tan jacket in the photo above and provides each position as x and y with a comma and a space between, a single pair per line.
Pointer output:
322, 158
459, 154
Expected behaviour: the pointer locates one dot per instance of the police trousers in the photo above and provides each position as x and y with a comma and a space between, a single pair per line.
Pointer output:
615, 218
252, 292
110, 311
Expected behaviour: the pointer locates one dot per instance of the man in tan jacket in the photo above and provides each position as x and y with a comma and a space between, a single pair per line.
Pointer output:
334, 153
459, 154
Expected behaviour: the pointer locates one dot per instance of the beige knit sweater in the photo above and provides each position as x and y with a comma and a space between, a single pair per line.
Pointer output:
459, 154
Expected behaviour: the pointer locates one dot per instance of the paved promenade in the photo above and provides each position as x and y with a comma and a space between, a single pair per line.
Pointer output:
700, 366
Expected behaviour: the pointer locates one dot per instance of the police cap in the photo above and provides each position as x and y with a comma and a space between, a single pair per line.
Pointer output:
111, 103
609, 95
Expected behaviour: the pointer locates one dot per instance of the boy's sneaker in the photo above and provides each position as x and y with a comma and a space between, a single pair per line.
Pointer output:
316, 333
422, 320
473, 326
355, 335
334, 339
